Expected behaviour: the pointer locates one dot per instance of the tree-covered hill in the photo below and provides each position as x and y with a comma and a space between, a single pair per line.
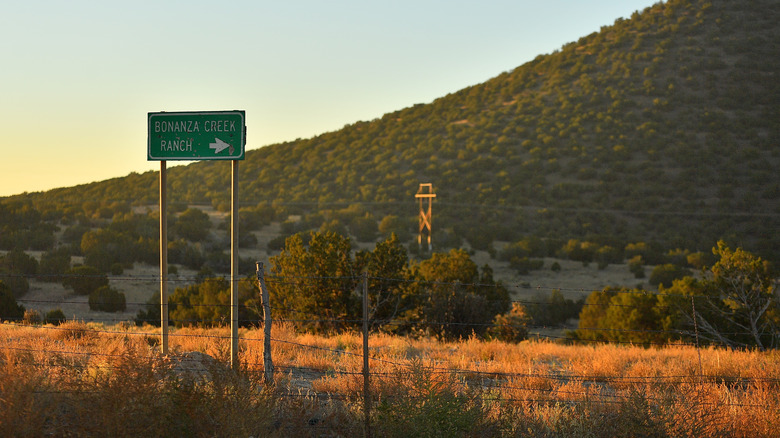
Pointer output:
664, 126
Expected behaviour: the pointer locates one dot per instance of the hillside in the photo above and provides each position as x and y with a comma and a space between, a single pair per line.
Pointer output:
663, 127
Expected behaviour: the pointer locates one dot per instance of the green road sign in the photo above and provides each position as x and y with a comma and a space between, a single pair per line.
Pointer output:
196, 135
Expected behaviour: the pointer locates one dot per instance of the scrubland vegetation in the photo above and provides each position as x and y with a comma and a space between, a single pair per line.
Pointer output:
661, 128
651, 144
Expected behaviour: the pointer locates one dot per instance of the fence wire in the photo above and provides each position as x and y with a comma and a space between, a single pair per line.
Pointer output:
504, 382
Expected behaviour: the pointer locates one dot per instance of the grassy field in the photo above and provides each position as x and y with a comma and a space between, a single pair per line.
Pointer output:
83, 379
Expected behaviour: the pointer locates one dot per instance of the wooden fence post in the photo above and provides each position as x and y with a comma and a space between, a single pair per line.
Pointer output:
366, 386
268, 364
696, 330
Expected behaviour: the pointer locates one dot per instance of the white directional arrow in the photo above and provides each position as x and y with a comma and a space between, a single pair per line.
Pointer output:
218, 146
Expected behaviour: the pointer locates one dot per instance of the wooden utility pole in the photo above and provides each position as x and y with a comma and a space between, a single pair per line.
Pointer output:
426, 217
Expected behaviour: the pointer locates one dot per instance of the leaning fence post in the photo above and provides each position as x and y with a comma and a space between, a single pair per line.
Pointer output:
268, 364
366, 386
696, 330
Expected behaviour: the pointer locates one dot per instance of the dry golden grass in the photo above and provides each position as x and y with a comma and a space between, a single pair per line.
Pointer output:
84, 379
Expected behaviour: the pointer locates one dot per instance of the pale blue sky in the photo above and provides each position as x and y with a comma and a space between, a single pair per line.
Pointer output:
77, 78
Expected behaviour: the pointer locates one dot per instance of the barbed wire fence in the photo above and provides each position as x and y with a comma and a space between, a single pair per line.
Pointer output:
511, 386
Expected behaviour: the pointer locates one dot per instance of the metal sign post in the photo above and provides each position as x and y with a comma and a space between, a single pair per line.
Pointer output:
163, 258
234, 268
198, 135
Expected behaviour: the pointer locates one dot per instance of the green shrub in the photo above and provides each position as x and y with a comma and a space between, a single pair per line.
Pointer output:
117, 269
83, 280
510, 326
455, 297
151, 313
364, 228
183, 253
9, 308
666, 274
53, 264
608, 254
19, 262
553, 309
193, 225
636, 266
392, 224
524, 265
277, 243
17, 284
107, 299
579, 251
54, 317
